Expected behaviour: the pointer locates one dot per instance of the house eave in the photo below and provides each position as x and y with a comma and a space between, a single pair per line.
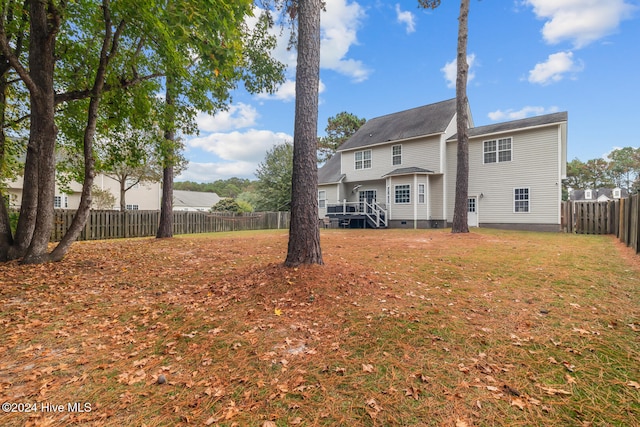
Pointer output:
390, 142
454, 138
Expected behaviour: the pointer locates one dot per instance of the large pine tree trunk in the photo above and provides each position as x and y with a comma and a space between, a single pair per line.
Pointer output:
304, 233
42, 133
460, 211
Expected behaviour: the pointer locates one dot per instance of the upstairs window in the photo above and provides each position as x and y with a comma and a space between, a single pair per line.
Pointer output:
396, 155
616, 193
363, 159
588, 194
497, 150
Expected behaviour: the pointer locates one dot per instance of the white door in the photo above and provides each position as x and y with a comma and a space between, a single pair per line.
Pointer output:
472, 212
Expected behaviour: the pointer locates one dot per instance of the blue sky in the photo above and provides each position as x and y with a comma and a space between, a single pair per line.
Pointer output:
527, 57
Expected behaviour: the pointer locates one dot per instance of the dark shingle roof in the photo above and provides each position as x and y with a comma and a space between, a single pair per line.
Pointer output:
329, 173
578, 195
426, 120
516, 124
407, 171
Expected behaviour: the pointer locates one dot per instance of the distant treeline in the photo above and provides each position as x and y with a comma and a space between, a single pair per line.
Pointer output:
231, 187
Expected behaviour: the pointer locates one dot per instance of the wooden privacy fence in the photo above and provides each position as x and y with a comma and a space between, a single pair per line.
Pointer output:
620, 217
116, 224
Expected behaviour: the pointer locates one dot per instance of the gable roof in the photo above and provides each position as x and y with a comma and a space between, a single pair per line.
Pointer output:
578, 195
329, 173
194, 199
515, 125
426, 120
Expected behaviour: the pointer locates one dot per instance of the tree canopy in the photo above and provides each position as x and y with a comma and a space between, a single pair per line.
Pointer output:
621, 168
91, 65
274, 179
339, 129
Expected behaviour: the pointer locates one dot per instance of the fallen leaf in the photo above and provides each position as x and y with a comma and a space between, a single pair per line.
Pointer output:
554, 391
277, 312
519, 403
367, 368
633, 384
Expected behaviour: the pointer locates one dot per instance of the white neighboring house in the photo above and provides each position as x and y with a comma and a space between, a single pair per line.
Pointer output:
143, 196
399, 170
193, 201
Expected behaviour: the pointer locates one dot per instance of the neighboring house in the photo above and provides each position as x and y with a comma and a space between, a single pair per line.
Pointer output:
194, 200
399, 170
597, 195
143, 196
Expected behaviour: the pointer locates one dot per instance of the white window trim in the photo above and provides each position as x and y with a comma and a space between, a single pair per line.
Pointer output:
363, 160
497, 151
617, 193
395, 192
528, 200
322, 199
422, 194
588, 194
393, 156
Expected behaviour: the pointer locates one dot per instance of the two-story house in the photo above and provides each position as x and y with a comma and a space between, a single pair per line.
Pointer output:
399, 170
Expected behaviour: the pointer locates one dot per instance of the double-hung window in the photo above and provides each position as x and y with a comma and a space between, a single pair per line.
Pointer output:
497, 150
396, 155
403, 194
322, 199
363, 159
421, 193
521, 199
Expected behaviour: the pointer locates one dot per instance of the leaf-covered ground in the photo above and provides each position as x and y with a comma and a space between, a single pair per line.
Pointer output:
399, 328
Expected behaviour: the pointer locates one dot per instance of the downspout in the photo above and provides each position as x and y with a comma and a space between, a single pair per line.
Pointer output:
415, 201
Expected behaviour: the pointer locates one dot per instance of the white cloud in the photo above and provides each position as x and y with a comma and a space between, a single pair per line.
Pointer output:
555, 68
209, 172
450, 70
238, 116
580, 21
524, 112
407, 18
249, 146
238, 154
339, 26
287, 91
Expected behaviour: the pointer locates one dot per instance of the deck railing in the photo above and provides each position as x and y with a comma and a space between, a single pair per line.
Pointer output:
374, 211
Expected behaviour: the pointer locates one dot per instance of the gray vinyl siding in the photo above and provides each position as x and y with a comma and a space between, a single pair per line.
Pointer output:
413, 209
436, 192
419, 152
331, 197
534, 165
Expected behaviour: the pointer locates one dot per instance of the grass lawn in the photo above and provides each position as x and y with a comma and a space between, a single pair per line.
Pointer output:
398, 328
